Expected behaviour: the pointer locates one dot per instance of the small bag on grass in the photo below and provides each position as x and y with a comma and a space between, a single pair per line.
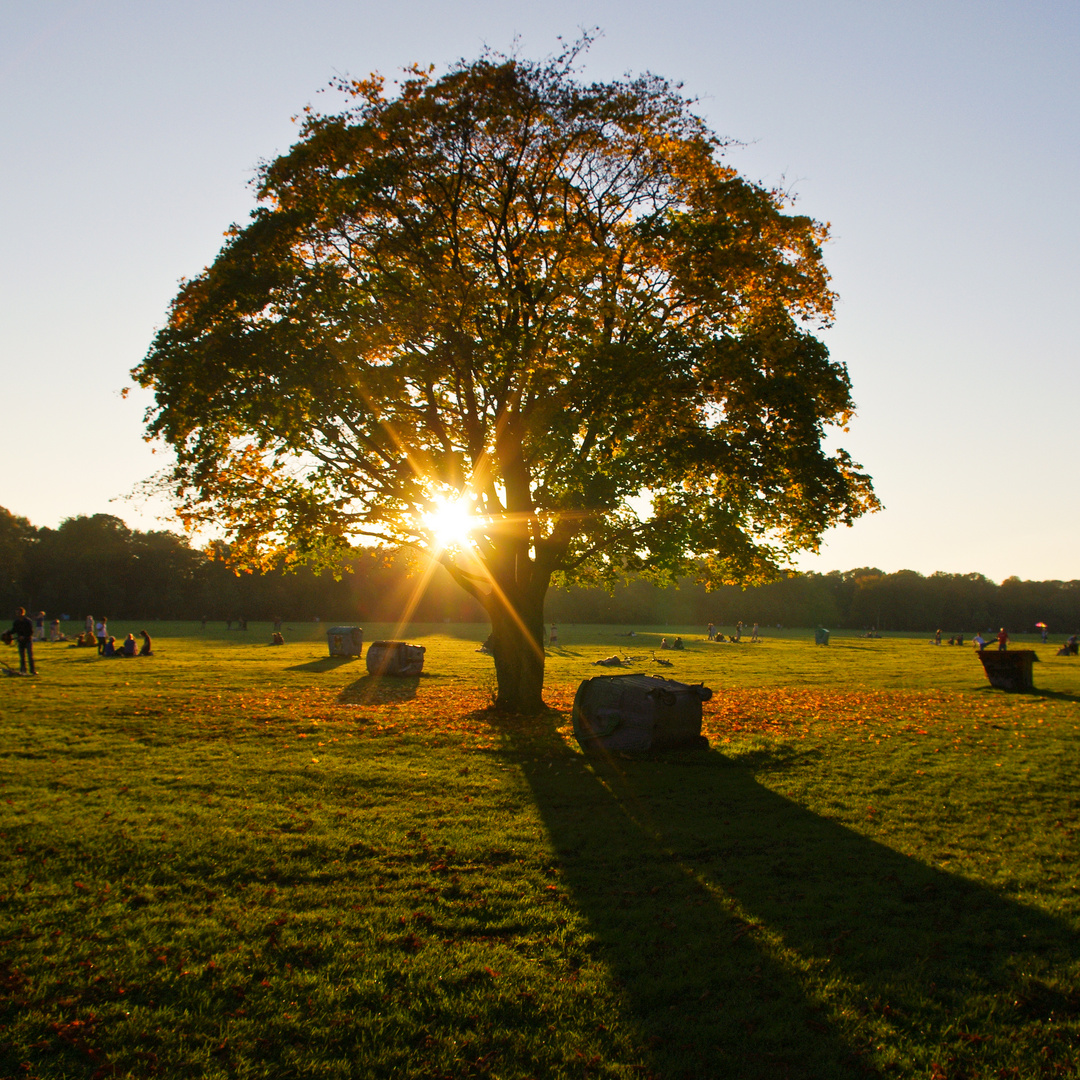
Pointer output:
639, 712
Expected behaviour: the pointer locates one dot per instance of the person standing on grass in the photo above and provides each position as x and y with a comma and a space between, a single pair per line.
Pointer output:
22, 629
101, 632
1003, 640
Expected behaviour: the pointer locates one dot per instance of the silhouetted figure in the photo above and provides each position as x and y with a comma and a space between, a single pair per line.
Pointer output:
22, 630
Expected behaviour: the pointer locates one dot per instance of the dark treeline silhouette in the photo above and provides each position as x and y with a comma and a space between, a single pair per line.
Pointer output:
853, 599
97, 565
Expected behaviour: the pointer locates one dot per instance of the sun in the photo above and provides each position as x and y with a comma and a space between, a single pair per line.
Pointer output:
450, 522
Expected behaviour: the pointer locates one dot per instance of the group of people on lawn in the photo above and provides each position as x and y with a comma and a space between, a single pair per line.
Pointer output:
1070, 648
97, 634
717, 635
24, 632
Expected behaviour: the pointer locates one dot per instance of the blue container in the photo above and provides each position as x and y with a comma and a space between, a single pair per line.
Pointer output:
345, 640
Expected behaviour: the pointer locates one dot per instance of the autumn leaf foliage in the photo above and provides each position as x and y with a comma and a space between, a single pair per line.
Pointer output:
549, 302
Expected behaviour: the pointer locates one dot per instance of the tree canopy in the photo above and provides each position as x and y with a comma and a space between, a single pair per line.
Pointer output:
530, 325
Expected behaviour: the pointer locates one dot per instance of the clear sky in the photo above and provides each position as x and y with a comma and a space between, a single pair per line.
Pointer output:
939, 138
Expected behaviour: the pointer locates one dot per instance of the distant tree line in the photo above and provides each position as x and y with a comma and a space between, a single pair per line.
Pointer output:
854, 599
97, 565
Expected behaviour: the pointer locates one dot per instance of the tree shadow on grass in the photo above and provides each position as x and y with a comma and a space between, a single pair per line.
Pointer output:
751, 937
380, 689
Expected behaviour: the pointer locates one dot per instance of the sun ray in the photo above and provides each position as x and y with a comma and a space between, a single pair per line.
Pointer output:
451, 522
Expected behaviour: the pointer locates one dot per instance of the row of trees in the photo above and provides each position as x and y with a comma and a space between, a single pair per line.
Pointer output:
97, 565
853, 599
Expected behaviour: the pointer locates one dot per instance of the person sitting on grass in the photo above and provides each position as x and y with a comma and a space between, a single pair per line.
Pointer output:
128, 647
144, 648
677, 643
109, 648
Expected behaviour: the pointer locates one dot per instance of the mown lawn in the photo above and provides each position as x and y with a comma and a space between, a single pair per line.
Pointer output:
233, 860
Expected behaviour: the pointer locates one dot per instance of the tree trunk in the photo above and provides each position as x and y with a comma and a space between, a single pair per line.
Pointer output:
518, 646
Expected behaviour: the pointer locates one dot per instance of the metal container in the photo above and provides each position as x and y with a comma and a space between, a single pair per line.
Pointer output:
639, 712
345, 640
395, 658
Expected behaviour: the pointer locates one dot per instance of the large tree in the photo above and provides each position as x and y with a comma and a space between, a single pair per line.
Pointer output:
530, 326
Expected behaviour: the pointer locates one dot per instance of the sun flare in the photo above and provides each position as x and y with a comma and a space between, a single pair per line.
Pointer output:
450, 522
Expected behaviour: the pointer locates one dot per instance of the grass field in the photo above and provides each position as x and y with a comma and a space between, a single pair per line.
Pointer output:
233, 860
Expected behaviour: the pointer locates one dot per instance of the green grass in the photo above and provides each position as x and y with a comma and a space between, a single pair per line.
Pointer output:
233, 860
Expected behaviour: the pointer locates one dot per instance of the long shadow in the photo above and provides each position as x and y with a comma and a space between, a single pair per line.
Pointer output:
1056, 695
377, 689
753, 938
1051, 695
326, 663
